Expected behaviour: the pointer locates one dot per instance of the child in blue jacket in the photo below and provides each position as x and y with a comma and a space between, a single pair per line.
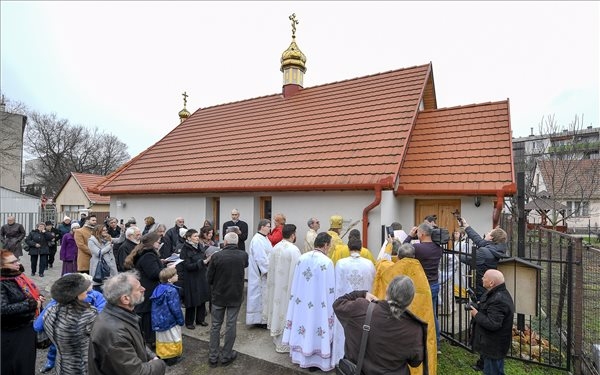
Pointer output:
167, 317
94, 298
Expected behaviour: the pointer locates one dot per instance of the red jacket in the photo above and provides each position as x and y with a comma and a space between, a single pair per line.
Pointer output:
276, 235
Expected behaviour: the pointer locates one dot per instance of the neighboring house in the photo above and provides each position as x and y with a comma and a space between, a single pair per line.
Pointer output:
571, 186
374, 149
11, 148
74, 197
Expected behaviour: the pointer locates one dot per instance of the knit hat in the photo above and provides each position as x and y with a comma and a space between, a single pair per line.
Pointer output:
335, 222
75, 225
66, 218
67, 288
49, 222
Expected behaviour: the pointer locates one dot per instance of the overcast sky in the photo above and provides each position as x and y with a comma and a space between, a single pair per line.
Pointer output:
122, 66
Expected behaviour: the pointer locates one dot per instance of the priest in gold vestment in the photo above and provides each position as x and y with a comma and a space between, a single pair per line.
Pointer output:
404, 263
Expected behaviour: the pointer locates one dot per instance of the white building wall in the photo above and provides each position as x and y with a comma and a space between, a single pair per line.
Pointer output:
14, 202
298, 207
164, 208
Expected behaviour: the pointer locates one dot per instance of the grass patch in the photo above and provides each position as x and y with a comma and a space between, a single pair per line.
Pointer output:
455, 360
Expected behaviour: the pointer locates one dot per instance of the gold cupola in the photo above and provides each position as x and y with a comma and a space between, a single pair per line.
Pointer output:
293, 64
184, 113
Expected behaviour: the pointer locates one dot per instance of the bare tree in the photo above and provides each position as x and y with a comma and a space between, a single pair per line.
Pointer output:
564, 176
62, 148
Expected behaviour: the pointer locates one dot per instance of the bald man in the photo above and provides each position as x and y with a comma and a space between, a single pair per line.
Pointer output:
493, 321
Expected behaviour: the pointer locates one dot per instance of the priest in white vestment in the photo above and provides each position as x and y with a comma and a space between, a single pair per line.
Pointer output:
258, 267
351, 273
282, 263
309, 321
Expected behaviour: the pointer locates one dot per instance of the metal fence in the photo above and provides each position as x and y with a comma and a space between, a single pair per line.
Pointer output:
29, 220
591, 310
567, 324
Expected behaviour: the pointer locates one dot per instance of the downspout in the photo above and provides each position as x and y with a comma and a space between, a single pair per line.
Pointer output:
497, 209
365, 218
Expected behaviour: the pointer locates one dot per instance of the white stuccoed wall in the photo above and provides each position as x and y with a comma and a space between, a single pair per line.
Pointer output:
298, 208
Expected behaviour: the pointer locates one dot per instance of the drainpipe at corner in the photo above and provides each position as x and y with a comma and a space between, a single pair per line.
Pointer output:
497, 209
365, 217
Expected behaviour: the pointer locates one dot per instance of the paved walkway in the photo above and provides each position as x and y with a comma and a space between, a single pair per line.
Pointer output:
253, 342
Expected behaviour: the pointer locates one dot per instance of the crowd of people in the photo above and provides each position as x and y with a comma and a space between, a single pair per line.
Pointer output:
134, 288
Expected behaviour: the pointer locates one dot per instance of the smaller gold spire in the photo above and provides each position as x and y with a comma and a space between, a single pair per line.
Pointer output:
184, 113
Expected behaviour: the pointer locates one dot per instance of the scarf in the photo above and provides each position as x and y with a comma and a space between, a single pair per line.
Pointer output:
27, 286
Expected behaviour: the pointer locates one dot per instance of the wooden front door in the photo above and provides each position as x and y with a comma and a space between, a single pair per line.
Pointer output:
443, 208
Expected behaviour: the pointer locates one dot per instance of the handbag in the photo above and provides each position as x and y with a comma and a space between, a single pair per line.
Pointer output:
102, 270
346, 366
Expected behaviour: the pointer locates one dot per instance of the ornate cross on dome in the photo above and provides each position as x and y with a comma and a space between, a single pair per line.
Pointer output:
294, 23
185, 95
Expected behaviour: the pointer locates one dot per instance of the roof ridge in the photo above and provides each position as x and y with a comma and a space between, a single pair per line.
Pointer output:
466, 106
313, 87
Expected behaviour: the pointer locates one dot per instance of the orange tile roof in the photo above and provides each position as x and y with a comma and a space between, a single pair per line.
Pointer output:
86, 181
460, 150
343, 135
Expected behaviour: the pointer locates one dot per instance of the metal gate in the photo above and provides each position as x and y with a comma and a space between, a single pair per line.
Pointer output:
555, 336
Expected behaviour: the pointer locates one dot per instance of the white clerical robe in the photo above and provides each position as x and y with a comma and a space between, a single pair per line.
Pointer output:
309, 321
282, 262
309, 241
351, 273
258, 267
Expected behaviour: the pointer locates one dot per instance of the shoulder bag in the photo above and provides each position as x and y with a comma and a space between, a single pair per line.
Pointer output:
102, 269
347, 367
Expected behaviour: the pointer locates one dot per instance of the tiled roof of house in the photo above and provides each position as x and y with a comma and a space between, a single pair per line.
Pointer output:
86, 181
466, 149
343, 135
571, 177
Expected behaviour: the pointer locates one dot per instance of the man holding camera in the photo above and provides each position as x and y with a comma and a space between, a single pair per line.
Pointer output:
493, 321
490, 249
429, 254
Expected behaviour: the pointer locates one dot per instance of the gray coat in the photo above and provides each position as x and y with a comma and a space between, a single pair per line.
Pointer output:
117, 346
12, 235
106, 251
68, 327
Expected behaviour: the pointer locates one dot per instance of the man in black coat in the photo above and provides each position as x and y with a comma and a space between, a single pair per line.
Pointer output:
242, 225
132, 239
493, 321
226, 279
171, 238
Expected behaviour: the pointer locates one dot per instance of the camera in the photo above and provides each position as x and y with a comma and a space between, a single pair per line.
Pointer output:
390, 231
472, 301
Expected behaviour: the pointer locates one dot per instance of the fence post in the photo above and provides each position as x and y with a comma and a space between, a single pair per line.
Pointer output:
577, 306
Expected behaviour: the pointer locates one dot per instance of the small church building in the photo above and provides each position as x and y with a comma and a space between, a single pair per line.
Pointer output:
373, 149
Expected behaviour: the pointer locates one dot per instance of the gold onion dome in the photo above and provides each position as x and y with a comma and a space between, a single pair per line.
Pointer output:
184, 113
292, 56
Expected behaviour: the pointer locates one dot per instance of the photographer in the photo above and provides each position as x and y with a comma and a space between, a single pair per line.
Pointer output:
490, 249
